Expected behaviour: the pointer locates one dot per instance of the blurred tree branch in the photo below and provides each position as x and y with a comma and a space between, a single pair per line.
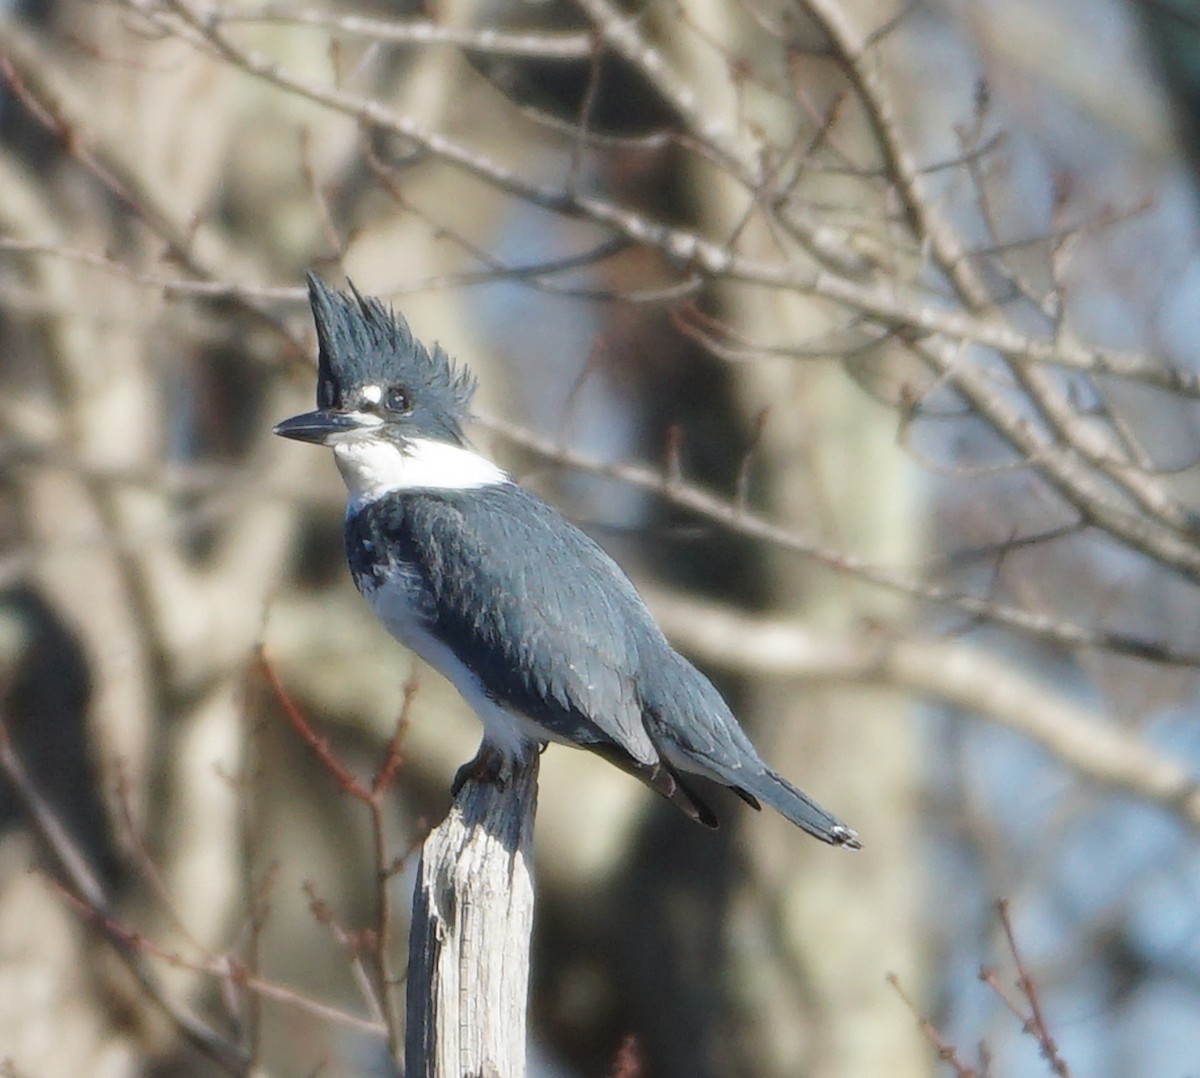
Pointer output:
950, 672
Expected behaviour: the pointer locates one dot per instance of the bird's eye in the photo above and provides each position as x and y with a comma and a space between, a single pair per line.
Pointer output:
398, 399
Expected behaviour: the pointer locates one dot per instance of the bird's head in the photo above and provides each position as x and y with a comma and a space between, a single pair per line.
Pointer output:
375, 380
391, 409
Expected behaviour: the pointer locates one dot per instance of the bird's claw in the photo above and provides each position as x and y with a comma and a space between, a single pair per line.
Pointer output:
487, 765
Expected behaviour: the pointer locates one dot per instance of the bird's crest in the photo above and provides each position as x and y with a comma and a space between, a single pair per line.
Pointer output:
361, 341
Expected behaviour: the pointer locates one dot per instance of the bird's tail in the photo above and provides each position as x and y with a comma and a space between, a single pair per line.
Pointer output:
774, 790
695, 732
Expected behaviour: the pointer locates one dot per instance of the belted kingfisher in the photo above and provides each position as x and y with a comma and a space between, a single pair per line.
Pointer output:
535, 625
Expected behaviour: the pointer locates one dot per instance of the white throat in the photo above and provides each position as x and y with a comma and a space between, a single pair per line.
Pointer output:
373, 467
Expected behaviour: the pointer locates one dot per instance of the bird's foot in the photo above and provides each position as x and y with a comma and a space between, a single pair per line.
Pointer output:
487, 765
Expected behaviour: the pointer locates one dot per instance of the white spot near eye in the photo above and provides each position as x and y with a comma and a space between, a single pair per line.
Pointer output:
372, 393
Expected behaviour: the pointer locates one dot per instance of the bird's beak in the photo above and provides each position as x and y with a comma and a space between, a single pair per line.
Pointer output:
325, 426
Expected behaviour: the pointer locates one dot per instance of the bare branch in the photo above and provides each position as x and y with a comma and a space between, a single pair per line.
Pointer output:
888, 302
946, 1052
88, 894
1062, 465
957, 674
679, 492
541, 45
1036, 1020
319, 744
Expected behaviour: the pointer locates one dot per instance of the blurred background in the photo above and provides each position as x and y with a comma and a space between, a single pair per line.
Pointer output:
863, 334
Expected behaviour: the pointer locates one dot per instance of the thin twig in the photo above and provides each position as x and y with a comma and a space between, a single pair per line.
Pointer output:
677, 491
316, 742
1035, 1023
886, 301
959, 675
353, 944
381, 997
384, 872
946, 1052
84, 887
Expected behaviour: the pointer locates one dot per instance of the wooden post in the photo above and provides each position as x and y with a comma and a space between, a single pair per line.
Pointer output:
468, 957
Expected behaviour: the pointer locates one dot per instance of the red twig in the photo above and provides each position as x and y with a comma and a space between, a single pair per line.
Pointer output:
946, 1052
1033, 1023
144, 861
394, 756
355, 944
318, 743
375, 941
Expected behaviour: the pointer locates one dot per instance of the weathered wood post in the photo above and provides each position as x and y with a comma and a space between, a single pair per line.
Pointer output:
468, 957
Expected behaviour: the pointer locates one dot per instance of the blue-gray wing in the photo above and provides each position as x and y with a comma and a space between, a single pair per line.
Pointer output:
544, 618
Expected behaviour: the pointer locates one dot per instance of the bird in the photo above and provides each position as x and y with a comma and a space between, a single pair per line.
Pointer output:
535, 625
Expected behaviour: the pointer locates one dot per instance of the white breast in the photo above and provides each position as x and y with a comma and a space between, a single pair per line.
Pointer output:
395, 604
